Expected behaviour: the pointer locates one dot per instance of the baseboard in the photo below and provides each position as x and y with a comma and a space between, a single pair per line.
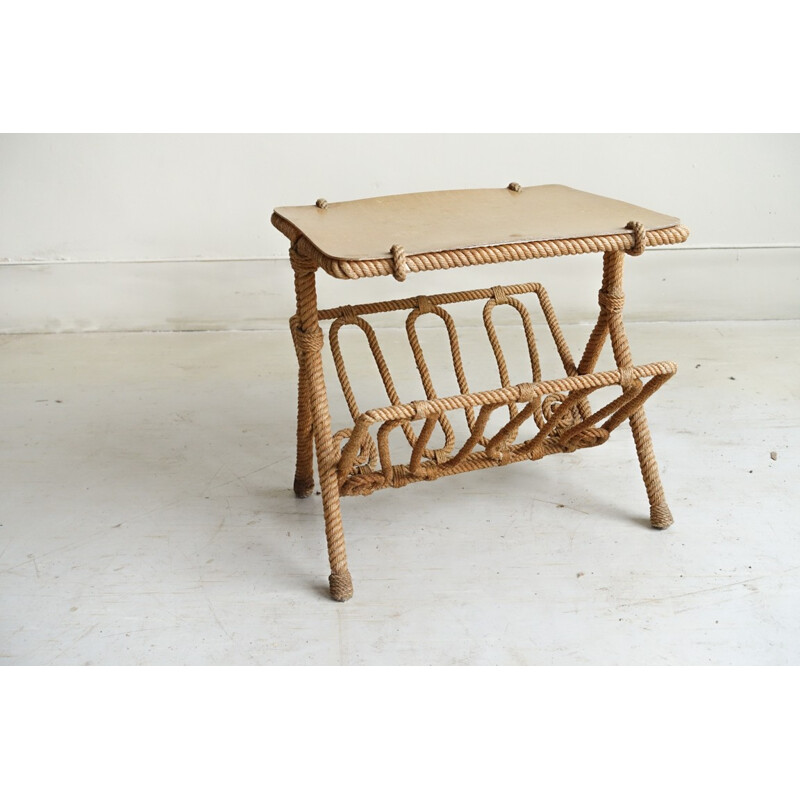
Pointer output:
670, 284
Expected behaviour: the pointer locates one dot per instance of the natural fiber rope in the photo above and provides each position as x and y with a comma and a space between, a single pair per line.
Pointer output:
310, 341
341, 586
399, 267
317, 399
563, 428
522, 392
304, 469
501, 298
613, 304
422, 304
394, 476
572, 424
350, 462
493, 254
409, 303
610, 323
639, 238
661, 516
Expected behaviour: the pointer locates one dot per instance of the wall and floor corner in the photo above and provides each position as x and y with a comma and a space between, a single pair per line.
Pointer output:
171, 232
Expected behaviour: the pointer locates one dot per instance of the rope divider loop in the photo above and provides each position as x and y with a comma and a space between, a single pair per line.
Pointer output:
514, 187
321, 203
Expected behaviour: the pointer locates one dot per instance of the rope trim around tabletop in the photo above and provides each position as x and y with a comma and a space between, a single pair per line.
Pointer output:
398, 263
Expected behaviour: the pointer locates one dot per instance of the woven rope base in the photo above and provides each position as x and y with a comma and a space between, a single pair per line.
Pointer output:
545, 416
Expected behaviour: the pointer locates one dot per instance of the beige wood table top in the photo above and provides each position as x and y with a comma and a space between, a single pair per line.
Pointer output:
349, 237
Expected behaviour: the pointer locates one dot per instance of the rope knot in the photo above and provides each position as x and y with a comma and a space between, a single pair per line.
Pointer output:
300, 262
399, 267
424, 304
422, 409
499, 295
515, 187
613, 303
310, 341
639, 237
321, 203
626, 377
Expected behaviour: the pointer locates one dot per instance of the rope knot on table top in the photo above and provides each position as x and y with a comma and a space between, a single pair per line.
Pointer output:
399, 266
639, 237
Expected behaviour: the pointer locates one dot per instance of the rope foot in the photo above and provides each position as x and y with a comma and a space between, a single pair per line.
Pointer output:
660, 516
341, 586
303, 487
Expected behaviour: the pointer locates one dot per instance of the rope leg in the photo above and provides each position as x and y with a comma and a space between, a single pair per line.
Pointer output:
304, 469
611, 303
310, 341
594, 345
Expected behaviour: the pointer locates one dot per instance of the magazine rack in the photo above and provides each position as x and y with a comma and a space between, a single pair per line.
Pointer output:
413, 233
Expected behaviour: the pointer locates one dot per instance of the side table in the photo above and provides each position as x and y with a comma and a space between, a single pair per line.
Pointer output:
401, 235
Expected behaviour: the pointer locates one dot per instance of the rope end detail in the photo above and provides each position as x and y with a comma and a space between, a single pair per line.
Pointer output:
341, 586
661, 516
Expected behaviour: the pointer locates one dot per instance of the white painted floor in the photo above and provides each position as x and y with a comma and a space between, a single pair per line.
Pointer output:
147, 518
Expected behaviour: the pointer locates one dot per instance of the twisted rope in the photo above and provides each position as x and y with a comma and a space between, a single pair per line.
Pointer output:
308, 342
351, 462
639, 238
559, 407
563, 440
492, 254
308, 337
399, 266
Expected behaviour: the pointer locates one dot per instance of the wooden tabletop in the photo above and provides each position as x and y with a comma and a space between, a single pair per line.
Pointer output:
430, 222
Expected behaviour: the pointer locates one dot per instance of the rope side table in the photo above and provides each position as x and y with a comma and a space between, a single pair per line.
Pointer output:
403, 234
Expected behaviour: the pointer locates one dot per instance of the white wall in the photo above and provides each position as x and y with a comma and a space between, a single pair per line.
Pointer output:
151, 231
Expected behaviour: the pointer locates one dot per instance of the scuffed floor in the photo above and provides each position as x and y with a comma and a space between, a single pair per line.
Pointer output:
146, 517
